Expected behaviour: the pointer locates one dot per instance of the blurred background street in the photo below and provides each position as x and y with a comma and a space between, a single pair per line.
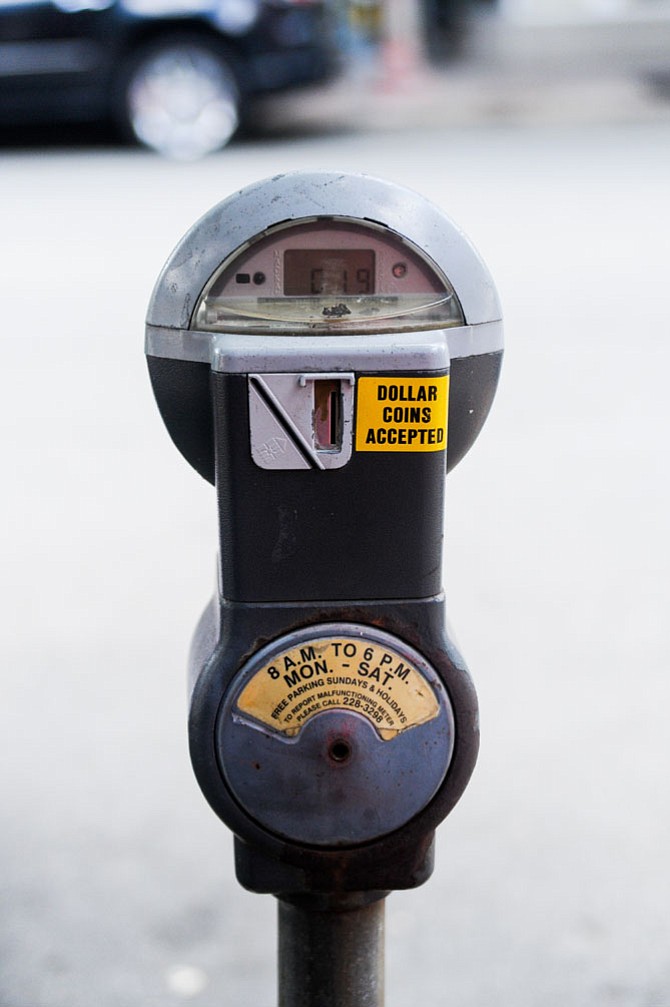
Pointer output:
547, 139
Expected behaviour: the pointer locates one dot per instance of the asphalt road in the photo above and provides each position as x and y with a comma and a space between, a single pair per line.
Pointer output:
552, 882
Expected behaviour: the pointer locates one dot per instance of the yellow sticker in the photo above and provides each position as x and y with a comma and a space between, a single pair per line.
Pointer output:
340, 673
402, 414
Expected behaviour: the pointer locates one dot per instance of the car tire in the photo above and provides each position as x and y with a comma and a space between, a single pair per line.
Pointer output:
179, 97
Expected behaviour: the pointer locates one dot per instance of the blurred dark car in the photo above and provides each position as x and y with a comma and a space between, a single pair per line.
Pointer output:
175, 74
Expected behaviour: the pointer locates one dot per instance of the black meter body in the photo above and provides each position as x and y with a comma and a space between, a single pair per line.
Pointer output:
323, 347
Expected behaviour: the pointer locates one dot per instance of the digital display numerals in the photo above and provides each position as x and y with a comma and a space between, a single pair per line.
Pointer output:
310, 272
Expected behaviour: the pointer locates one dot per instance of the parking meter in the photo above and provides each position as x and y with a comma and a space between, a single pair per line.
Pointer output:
323, 348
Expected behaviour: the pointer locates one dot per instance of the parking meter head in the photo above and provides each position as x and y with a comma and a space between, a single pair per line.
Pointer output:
319, 256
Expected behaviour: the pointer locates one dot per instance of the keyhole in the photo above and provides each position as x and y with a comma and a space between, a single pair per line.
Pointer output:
340, 750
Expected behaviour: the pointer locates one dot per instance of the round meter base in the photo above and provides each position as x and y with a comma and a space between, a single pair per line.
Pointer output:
335, 735
244, 716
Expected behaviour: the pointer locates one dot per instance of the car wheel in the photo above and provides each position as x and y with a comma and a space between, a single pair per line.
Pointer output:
180, 98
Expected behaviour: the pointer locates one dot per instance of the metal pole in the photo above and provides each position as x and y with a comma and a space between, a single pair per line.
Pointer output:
331, 957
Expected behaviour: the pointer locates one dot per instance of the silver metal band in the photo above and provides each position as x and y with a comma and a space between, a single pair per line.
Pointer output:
241, 354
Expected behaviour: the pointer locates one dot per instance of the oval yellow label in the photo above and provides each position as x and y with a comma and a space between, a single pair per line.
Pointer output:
339, 673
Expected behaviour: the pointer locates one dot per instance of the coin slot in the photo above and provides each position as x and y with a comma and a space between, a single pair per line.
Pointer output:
327, 415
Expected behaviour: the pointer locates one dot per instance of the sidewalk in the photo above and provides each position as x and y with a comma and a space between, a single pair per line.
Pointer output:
514, 74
